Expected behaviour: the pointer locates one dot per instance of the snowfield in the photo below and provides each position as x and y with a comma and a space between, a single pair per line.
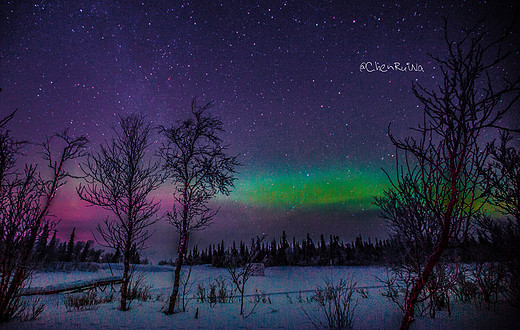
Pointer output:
284, 306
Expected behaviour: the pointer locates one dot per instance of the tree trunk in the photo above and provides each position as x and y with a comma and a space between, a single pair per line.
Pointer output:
183, 244
435, 257
126, 270
124, 285
419, 285
242, 302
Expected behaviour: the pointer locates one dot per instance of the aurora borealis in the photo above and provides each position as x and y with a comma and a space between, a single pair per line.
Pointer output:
351, 189
287, 79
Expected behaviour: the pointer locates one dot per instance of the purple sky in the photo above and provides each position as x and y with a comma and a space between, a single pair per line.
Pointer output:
285, 78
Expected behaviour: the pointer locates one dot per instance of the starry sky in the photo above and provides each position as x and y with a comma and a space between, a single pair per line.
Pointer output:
309, 126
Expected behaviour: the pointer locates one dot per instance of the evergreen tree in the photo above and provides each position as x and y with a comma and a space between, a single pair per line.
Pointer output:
41, 245
282, 252
323, 251
62, 252
52, 252
86, 250
135, 257
70, 246
117, 256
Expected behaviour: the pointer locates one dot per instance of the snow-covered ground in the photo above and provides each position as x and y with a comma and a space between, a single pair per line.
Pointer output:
286, 307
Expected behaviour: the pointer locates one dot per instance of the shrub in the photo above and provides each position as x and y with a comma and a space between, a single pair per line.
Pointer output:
483, 284
219, 292
435, 295
33, 313
465, 289
336, 304
139, 290
201, 293
258, 297
224, 293
83, 301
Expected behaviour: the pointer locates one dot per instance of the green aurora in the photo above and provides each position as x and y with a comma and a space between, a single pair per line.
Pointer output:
353, 189
350, 189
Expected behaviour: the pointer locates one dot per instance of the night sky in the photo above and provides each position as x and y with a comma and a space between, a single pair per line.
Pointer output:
310, 126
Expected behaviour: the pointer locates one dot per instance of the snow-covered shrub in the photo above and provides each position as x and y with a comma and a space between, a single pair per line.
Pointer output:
258, 297
490, 279
82, 301
396, 286
435, 295
465, 289
300, 296
336, 305
225, 293
483, 283
30, 314
439, 286
201, 293
219, 292
212, 295
108, 298
139, 290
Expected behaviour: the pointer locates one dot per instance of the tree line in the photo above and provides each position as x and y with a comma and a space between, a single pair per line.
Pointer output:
50, 253
324, 252
482, 246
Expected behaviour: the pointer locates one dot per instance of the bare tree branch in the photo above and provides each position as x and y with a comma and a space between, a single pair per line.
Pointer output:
25, 200
439, 189
119, 178
198, 164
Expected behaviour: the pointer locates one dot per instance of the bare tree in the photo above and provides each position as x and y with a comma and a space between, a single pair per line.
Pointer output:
240, 270
414, 231
503, 180
9, 148
442, 164
198, 164
119, 178
26, 197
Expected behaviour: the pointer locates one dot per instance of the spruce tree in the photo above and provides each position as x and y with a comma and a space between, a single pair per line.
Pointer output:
70, 246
